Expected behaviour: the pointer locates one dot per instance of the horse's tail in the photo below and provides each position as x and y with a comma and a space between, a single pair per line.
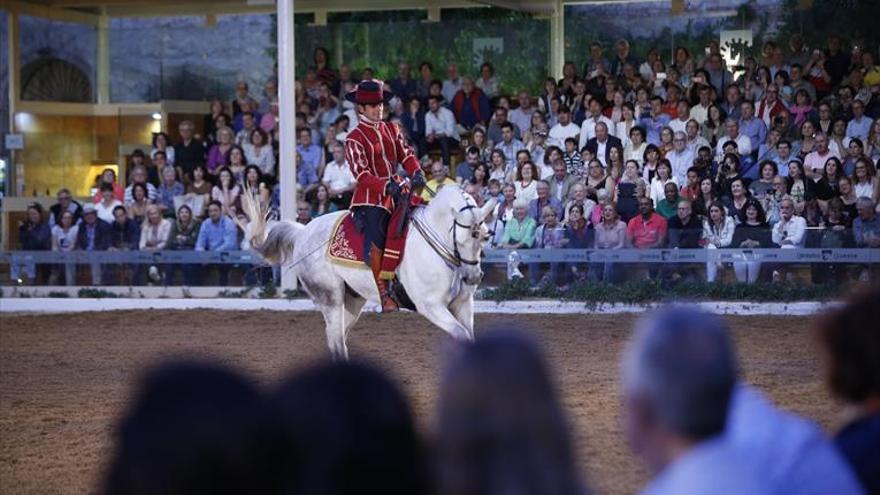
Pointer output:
279, 242
274, 241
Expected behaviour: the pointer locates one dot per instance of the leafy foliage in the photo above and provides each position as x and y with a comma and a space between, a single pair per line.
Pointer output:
636, 292
235, 294
95, 293
381, 40
268, 291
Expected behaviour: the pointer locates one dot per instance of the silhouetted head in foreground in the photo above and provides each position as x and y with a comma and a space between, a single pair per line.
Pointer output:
678, 379
191, 429
500, 426
347, 429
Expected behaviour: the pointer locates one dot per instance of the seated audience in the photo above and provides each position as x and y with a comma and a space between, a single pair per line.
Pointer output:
548, 235
439, 180
217, 233
647, 230
108, 176
258, 151
107, 203
218, 154
182, 236
752, 232
93, 235
440, 129
34, 234
64, 238
519, 230
226, 192
169, 189
718, 230
139, 177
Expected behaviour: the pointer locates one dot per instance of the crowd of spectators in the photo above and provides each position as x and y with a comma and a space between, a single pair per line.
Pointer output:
779, 152
500, 426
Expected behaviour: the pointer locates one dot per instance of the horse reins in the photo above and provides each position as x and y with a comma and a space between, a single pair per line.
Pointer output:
452, 257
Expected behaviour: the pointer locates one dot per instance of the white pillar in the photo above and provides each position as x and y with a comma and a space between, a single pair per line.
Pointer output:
103, 59
557, 39
14, 62
287, 122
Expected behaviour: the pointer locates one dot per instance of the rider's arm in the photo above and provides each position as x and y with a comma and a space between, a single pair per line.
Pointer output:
405, 152
357, 159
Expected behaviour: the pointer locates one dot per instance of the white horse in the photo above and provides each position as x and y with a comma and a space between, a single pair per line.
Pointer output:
440, 269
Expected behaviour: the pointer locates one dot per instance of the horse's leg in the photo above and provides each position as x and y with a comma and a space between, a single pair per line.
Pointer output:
334, 321
463, 310
443, 318
353, 306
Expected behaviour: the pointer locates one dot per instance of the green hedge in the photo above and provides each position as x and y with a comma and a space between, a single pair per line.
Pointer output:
651, 291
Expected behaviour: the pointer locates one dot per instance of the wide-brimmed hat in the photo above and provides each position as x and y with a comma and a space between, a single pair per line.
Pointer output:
370, 92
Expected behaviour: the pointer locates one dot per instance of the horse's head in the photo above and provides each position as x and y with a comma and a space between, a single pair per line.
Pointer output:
468, 229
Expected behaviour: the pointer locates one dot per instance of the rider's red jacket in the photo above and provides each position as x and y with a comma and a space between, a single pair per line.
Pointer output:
373, 150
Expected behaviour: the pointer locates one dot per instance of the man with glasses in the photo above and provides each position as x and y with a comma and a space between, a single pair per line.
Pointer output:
752, 127
783, 156
770, 105
681, 157
685, 232
814, 162
788, 233
65, 203
188, 152
860, 125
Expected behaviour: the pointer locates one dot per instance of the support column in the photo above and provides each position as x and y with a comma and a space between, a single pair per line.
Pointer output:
557, 39
103, 58
13, 55
287, 122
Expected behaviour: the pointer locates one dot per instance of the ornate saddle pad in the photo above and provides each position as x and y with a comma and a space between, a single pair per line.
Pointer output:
346, 243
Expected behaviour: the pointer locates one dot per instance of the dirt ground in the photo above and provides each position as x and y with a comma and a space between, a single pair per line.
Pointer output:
65, 379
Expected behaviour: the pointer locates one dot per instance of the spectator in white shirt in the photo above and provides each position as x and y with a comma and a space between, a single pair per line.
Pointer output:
743, 142
814, 162
259, 152
860, 125
681, 157
510, 146
338, 179
139, 176
679, 124
564, 129
694, 140
679, 375
452, 84
522, 115
789, 232
588, 127
440, 128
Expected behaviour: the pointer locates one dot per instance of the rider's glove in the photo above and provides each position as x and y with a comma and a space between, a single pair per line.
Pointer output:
418, 180
392, 189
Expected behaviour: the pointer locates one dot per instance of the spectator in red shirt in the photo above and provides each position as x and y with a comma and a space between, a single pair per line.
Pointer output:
648, 230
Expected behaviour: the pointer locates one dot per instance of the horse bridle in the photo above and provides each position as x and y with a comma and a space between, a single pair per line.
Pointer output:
454, 256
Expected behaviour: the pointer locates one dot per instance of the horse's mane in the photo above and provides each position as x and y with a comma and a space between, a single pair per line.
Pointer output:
450, 195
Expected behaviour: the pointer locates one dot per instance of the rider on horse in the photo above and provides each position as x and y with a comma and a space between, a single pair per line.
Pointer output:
373, 150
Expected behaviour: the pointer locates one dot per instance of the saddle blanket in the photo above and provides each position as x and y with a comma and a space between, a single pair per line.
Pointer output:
346, 245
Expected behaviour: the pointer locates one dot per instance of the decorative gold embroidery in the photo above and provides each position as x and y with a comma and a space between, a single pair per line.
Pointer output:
340, 251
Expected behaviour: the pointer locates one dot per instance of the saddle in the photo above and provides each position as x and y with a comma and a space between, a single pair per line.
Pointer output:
346, 248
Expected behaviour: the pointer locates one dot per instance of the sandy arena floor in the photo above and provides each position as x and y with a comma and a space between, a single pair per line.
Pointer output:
64, 380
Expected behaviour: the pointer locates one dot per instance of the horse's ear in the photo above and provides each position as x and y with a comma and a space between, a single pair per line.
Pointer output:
487, 208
